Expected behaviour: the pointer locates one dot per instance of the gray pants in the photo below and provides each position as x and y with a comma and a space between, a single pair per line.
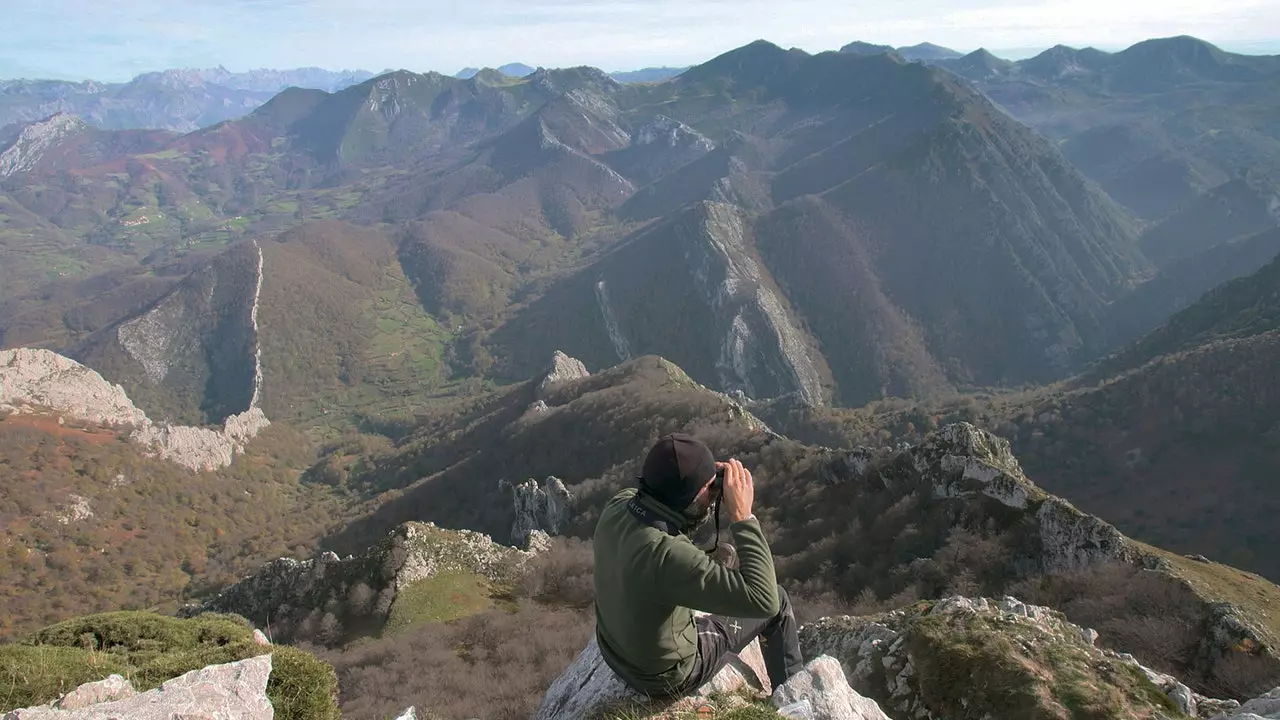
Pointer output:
718, 636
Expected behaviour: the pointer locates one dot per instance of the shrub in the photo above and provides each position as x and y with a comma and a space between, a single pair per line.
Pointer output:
563, 575
150, 649
302, 687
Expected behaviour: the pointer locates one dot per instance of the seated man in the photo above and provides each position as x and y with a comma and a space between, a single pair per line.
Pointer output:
650, 577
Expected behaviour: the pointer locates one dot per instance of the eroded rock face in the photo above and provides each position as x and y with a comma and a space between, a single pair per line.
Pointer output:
298, 597
545, 508
236, 690
25, 152
589, 686
31, 379
42, 378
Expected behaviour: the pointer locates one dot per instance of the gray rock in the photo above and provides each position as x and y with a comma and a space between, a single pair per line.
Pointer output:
235, 691
563, 368
32, 379
115, 687
410, 714
545, 508
823, 687
37, 138
1267, 706
588, 685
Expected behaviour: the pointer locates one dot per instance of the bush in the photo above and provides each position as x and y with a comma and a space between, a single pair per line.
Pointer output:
150, 649
302, 687
496, 665
563, 575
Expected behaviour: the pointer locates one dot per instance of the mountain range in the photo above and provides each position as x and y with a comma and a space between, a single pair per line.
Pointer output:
179, 100
888, 284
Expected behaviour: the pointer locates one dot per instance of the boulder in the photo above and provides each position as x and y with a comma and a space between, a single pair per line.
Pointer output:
821, 692
589, 686
234, 691
115, 687
1266, 706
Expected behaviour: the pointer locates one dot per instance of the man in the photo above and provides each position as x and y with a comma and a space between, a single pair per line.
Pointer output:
650, 577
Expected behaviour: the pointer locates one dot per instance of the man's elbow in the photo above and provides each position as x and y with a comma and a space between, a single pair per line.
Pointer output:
765, 604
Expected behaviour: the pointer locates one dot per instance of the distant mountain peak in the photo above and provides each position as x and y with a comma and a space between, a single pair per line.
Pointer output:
929, 51
37, 138
858, 47
980, 65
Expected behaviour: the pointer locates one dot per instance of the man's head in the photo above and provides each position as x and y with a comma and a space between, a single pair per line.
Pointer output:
680, 472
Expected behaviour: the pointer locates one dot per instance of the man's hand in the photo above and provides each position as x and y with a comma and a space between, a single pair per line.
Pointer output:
738, 492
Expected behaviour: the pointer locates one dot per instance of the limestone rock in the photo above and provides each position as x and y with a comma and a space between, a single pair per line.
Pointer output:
563, 368
235, 691
115, 687
41, 378
824, 691
37, 138
545, 508
589, 685
410, 714
1265, 706
32, 379
963, 460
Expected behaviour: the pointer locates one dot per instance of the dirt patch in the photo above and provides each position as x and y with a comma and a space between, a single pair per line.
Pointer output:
49, 424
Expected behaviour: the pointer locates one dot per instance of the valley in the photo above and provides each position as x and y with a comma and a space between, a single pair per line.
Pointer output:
980, 328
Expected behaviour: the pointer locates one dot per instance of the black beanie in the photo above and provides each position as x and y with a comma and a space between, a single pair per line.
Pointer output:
676, 469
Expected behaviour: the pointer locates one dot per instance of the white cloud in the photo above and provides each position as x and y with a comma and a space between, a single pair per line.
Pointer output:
114, 38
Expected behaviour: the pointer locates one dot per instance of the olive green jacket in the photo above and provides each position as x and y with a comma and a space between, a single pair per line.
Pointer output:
649, 582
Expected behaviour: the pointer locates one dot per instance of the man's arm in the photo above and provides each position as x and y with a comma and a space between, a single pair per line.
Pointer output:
689, 577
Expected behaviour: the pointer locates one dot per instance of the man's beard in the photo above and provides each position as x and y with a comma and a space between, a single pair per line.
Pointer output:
698, 514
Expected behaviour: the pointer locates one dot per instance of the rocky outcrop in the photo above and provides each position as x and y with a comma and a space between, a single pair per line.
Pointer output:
563, 368
588, 686
545, 508
821, 692
938, 660
298, 598
41, 378
235, 690
1266, 706
33, 379
34, 140
759, 343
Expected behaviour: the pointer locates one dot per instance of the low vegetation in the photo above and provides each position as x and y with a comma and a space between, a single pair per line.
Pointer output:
89, 524
148, 649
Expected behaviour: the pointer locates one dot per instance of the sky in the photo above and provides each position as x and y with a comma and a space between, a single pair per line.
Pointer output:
114, 40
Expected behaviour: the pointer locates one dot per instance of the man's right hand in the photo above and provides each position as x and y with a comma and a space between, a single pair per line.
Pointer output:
738, 493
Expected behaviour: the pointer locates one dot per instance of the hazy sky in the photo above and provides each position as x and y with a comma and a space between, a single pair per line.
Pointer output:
117, 39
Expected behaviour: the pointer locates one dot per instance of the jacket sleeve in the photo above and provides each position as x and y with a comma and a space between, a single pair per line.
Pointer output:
687, 576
